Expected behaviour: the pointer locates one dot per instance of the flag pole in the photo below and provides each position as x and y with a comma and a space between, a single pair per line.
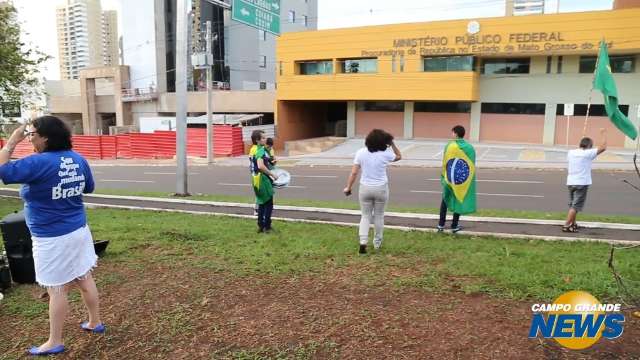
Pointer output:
586, 119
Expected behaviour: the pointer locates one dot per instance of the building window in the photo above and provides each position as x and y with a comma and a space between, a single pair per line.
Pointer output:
549, 60
401, 63
595, 110
280, 68
447, 107
262, 35
448, 63
305, 20
396, 106
292, 16
263, 85
365, 65
506, 66
619, 64
263, 61
393, 63
513, 108
317, 67
560, 60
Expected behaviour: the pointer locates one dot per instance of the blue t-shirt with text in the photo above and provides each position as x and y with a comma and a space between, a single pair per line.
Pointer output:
53, 184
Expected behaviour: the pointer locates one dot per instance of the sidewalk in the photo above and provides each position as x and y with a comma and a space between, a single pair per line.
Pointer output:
428, 153
509, 228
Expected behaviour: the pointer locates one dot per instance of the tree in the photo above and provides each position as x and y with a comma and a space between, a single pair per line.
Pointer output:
19, 82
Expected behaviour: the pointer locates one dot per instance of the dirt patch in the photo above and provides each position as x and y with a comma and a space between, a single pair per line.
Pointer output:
178, 311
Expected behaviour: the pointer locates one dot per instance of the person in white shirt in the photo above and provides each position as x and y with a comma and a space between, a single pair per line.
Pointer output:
373, 159
579, 177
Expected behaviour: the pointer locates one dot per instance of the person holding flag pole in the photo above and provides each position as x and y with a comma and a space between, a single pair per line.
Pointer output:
580, 160
458, 179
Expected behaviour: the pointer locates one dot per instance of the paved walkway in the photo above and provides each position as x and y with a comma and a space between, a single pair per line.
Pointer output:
497, 227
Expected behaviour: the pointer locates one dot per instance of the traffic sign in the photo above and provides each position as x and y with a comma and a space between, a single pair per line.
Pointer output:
261, 14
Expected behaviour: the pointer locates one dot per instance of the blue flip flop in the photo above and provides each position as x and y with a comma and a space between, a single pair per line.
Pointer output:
54, 350
99, 329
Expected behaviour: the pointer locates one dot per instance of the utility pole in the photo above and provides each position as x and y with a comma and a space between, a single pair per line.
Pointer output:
182, 15
209, 122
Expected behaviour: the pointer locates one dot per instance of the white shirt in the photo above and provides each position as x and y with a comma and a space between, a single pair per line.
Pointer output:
374, 166
579, 168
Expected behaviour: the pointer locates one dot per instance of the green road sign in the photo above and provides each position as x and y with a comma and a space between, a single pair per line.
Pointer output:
261, 14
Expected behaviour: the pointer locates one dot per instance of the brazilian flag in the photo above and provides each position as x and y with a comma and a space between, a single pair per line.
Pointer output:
262, 186
458, 177
603, 81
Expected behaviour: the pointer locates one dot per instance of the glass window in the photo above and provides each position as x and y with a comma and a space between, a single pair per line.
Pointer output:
316, 67
595, 110
452, 107
352, 66
549, 58
280, 67
263, 61
506, 66
513, 108
401, 63
263, 85
560, 60
448, 63
292, 16
305, 20
397, 106
393, 63
619, 64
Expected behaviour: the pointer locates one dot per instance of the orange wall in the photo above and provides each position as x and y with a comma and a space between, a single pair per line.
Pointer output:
615, 138
389, 121
625, 4
300, 120
438, 125
524, 129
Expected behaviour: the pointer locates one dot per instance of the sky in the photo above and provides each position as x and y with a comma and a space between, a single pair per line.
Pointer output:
39, 22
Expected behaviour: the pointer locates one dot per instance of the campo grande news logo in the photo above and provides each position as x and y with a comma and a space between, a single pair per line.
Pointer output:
577, 320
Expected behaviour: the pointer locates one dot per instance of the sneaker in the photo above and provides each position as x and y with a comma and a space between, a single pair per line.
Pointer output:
377, 244
260, 230
363, 249
456, 229
440, 228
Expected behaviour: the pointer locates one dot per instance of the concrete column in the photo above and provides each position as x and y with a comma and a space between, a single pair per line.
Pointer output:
634, 110
408, 119
351, 119
474, 124
89, 111
549, 134
123, 110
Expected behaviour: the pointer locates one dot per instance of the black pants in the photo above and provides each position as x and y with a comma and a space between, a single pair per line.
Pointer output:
443, 216
264, 214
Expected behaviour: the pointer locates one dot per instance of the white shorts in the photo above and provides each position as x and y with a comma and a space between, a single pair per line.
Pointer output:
61, 259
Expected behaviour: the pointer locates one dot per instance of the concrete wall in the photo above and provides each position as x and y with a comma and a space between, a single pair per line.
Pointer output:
438, 125
299, 120
615, 138
390, 121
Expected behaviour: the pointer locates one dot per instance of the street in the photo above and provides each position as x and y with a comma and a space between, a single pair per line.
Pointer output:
513, 189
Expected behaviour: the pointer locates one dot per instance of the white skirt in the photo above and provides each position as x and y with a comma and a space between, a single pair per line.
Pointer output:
61, 259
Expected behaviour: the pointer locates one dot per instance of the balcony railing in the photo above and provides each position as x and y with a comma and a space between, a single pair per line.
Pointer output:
139, 94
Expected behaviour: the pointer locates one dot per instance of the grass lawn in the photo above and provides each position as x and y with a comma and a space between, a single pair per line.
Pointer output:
152, 254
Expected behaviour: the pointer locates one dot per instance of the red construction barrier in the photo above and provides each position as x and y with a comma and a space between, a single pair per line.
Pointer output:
227, 141
165, 143
142, 146
87, 145
123, 146
108, 145
23, 149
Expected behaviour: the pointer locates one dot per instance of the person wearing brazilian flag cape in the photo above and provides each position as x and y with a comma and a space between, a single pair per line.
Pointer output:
262, 180
458, 179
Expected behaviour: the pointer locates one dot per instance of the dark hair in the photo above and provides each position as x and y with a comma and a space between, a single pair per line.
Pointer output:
459, 131
55, 130
378, 140
255, 136
586, 143
270, 141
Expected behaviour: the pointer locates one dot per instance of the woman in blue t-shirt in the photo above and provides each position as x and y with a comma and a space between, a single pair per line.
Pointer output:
54, 179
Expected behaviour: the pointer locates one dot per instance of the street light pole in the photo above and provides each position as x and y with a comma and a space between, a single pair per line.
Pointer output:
181, 97
209, 121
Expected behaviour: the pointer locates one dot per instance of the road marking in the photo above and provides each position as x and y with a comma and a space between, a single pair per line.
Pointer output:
127, 181
97, 172
290, 186
166, 173
437, 155
484, 194
502, 181
315, 176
